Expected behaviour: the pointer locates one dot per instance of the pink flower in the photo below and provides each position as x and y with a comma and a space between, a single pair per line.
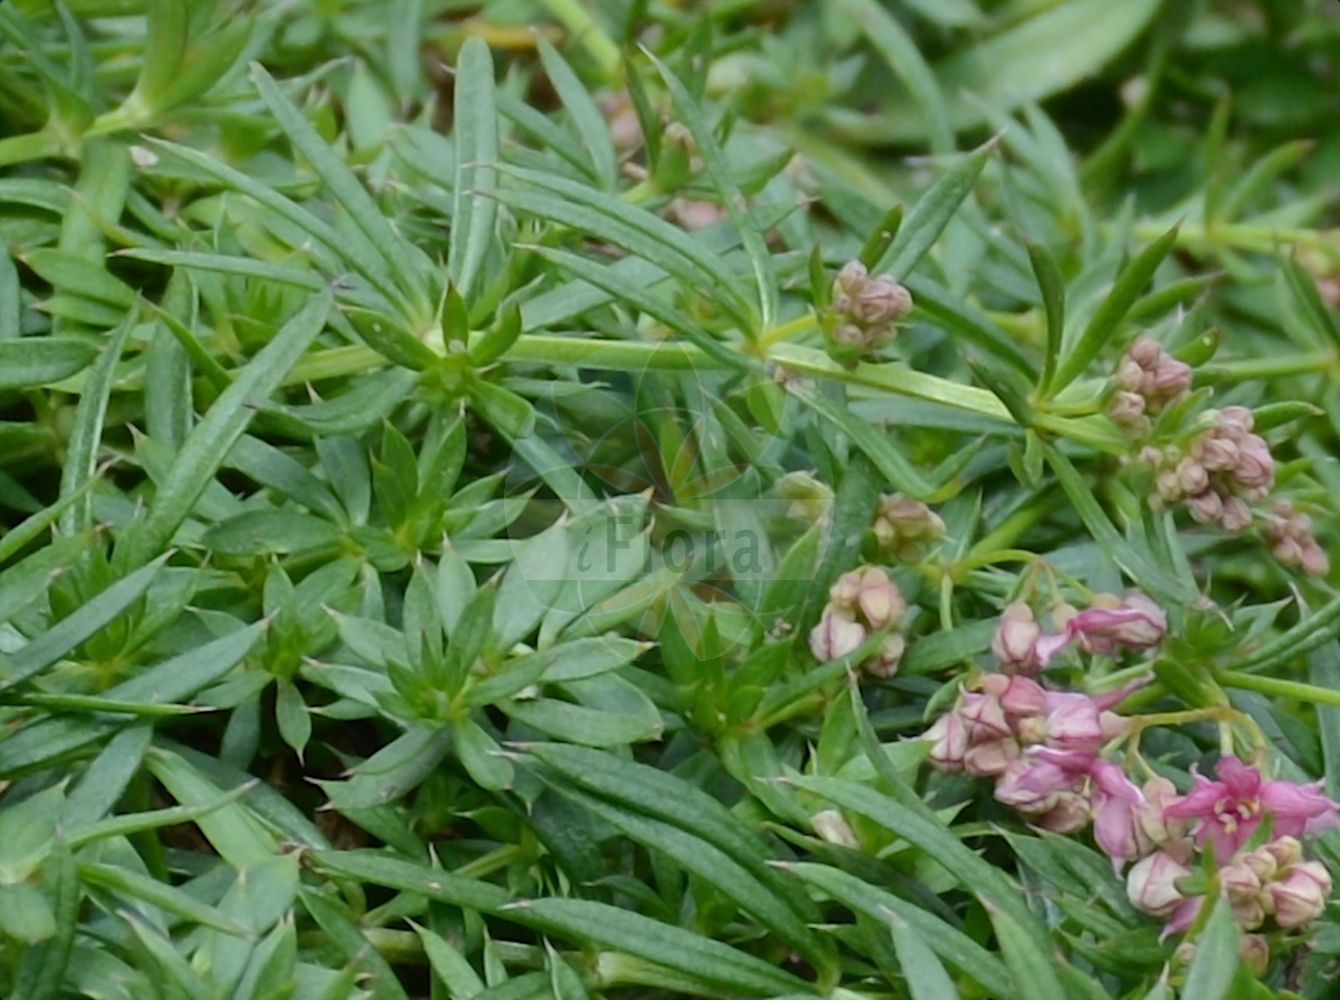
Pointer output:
1151, 884
1134, 622
1229, 809
1117, 805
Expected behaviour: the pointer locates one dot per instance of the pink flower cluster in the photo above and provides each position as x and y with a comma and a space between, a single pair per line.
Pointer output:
903, 526
1044, 751
1041, 747
1149, 379
1269, 882
1290, 536
862, 602
1224, 468
1110, 624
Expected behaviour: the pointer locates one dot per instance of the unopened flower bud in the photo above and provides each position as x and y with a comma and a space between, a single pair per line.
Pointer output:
880, 302
949, 742
1171, 378
869, 592
1069, 815
1206, 508
1254, 950
1016, 639
1216, 453
1151, 884
1287, 851
990, 758
837, 635
1145, 352
1236, 516
1127, 409
1238, 419
1300, 897
1313, 560
885, 662
1255, 466
807, 499
1192, 477
832, 826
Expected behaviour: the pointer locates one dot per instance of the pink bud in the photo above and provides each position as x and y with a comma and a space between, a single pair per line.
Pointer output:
836, 635
1237, 516
1243, 889
1117, 804
1016, 639
1069, 815
949, 742
1284, 851
880, 302
1022, 698
1300, 897
1313, 559
990, 758
1171, 377
1145, 352
984, 717
870, 592
1205, 508
1151, 884
1216, 453
1033, 786
1192, 477
1073, 722
885, 662
1255, 466
1237, 419
1254, 950
1127, 409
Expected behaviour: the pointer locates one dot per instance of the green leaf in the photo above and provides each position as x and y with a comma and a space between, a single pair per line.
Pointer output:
698, 957
71, 632
1216, 959
579, 724
1052, 287
32, 361
475, 135
373, 236
481, 756
926, 977
760, 258
900, 53
81, 448
932, 213
874, 443
42, 969
126, 883
208, 445
25, 914
231, 829
1106, 321
1028, 959
449, 966
583, 111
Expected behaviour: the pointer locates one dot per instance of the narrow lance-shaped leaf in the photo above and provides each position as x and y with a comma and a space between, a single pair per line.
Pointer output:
475, 134
932, 213
209, 443
1107, 320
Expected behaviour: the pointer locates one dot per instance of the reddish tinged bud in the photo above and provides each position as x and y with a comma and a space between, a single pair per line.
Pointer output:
870, 593
1255, 467
1127, 409
984, 716
1237, 419
1313, 560
1171, 378
1145, 352
1192, 477
1218, 454
1069, 815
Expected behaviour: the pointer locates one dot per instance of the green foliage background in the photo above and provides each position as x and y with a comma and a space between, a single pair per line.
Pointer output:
337, 337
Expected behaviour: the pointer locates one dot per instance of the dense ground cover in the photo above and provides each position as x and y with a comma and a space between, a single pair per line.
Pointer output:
663, 498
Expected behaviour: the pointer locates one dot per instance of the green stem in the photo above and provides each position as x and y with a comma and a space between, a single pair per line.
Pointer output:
32, 146
1278, 687
1307, 363
635, 355
576, 17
